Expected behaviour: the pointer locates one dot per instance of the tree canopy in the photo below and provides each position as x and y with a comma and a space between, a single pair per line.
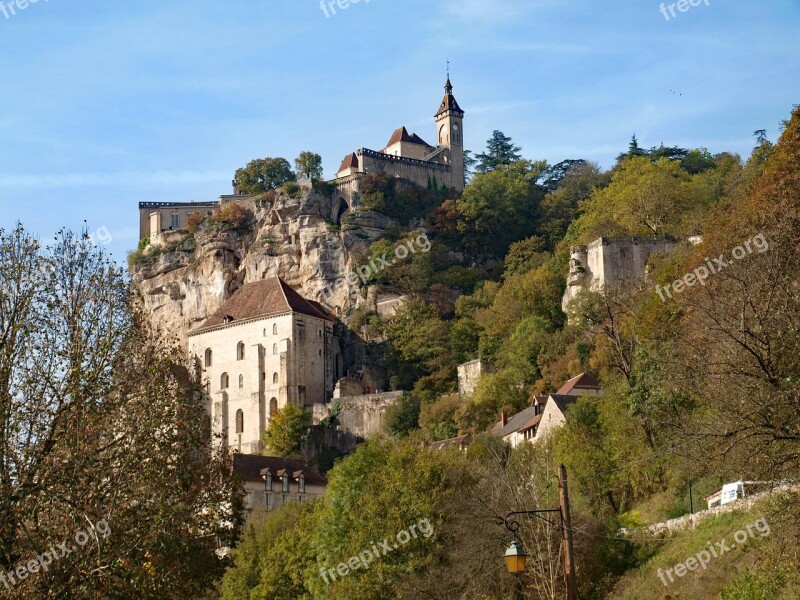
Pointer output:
263, 174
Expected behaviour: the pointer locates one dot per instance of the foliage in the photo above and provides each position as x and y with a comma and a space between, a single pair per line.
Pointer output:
285, 432
499, 208
309, 165
101, 422
419, 350
500, 152
402, 417
263, 174
291, 189
231, 217
752, 586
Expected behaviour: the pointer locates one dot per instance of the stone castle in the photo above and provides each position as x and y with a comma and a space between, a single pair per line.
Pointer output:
408, 156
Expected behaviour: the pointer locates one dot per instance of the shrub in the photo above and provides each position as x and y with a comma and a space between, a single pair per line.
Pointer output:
231, 217
403, 416
291, 189
194, 221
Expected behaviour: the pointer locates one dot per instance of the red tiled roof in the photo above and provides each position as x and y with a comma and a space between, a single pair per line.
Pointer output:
350, 162
584, 381
402, 135
264, 298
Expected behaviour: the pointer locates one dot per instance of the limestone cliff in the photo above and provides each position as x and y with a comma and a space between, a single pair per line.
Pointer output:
294, 238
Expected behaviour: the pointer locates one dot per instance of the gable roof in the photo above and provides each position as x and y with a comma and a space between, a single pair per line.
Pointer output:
264, 298
516, 422
574, 386
532, 422
402, 135
562, 401
248, 467
350, 162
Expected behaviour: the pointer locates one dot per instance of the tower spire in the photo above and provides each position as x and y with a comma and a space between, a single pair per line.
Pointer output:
448, 87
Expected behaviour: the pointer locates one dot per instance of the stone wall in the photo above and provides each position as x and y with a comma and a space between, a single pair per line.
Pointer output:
470, 373
608, 262
360, 416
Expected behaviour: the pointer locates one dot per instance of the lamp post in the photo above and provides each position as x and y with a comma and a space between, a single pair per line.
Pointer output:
515, 556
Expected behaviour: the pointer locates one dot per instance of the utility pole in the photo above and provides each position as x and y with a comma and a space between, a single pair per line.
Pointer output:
691, 499
566, 526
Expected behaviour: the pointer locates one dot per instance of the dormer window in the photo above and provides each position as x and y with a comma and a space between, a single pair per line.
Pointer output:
301, 483
266, 475
284, 480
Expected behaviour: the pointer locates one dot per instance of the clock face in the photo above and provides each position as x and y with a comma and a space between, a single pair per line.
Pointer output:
455, 127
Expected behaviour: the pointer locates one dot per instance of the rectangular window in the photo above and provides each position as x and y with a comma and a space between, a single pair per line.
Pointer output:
176, 219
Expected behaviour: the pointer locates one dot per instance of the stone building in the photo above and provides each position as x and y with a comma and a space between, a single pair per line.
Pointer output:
159, 218
270, 482
408, 156
610, 262
470, 373
265, 347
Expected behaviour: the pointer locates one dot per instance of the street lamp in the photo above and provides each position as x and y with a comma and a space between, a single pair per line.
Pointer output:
515, 556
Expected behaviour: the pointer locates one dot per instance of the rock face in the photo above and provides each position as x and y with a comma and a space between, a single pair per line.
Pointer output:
292, 238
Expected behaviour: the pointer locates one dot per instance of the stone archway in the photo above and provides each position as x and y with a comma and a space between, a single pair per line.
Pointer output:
340, 206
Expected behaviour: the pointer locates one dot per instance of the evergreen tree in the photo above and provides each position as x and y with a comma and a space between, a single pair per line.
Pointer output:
500, 152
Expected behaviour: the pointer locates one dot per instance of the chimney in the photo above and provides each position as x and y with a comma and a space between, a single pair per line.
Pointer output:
503, 419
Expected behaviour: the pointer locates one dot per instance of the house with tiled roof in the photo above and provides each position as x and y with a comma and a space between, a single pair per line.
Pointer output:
407, 156
581, 385
269, 482
267, 346
546, 413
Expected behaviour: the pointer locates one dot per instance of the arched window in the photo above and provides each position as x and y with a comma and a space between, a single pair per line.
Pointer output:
240, 351
274, 378
274, 348
274, 329
239, 421
208, 357
273, 406
224, 381
241, 381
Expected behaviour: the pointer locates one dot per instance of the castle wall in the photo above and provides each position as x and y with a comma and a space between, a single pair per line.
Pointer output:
420, 172
609, 262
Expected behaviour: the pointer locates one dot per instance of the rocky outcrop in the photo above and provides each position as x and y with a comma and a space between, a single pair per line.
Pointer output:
292, 238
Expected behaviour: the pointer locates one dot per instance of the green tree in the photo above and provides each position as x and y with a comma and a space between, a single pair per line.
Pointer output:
499, 208
309, 165
286, 430
102, 424
500, 152
263, 174
403, 416
644, 198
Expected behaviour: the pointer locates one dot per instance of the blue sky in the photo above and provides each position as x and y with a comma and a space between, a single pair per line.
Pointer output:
106, 104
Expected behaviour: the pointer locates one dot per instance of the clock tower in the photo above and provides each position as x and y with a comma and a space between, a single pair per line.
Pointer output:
450, 135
